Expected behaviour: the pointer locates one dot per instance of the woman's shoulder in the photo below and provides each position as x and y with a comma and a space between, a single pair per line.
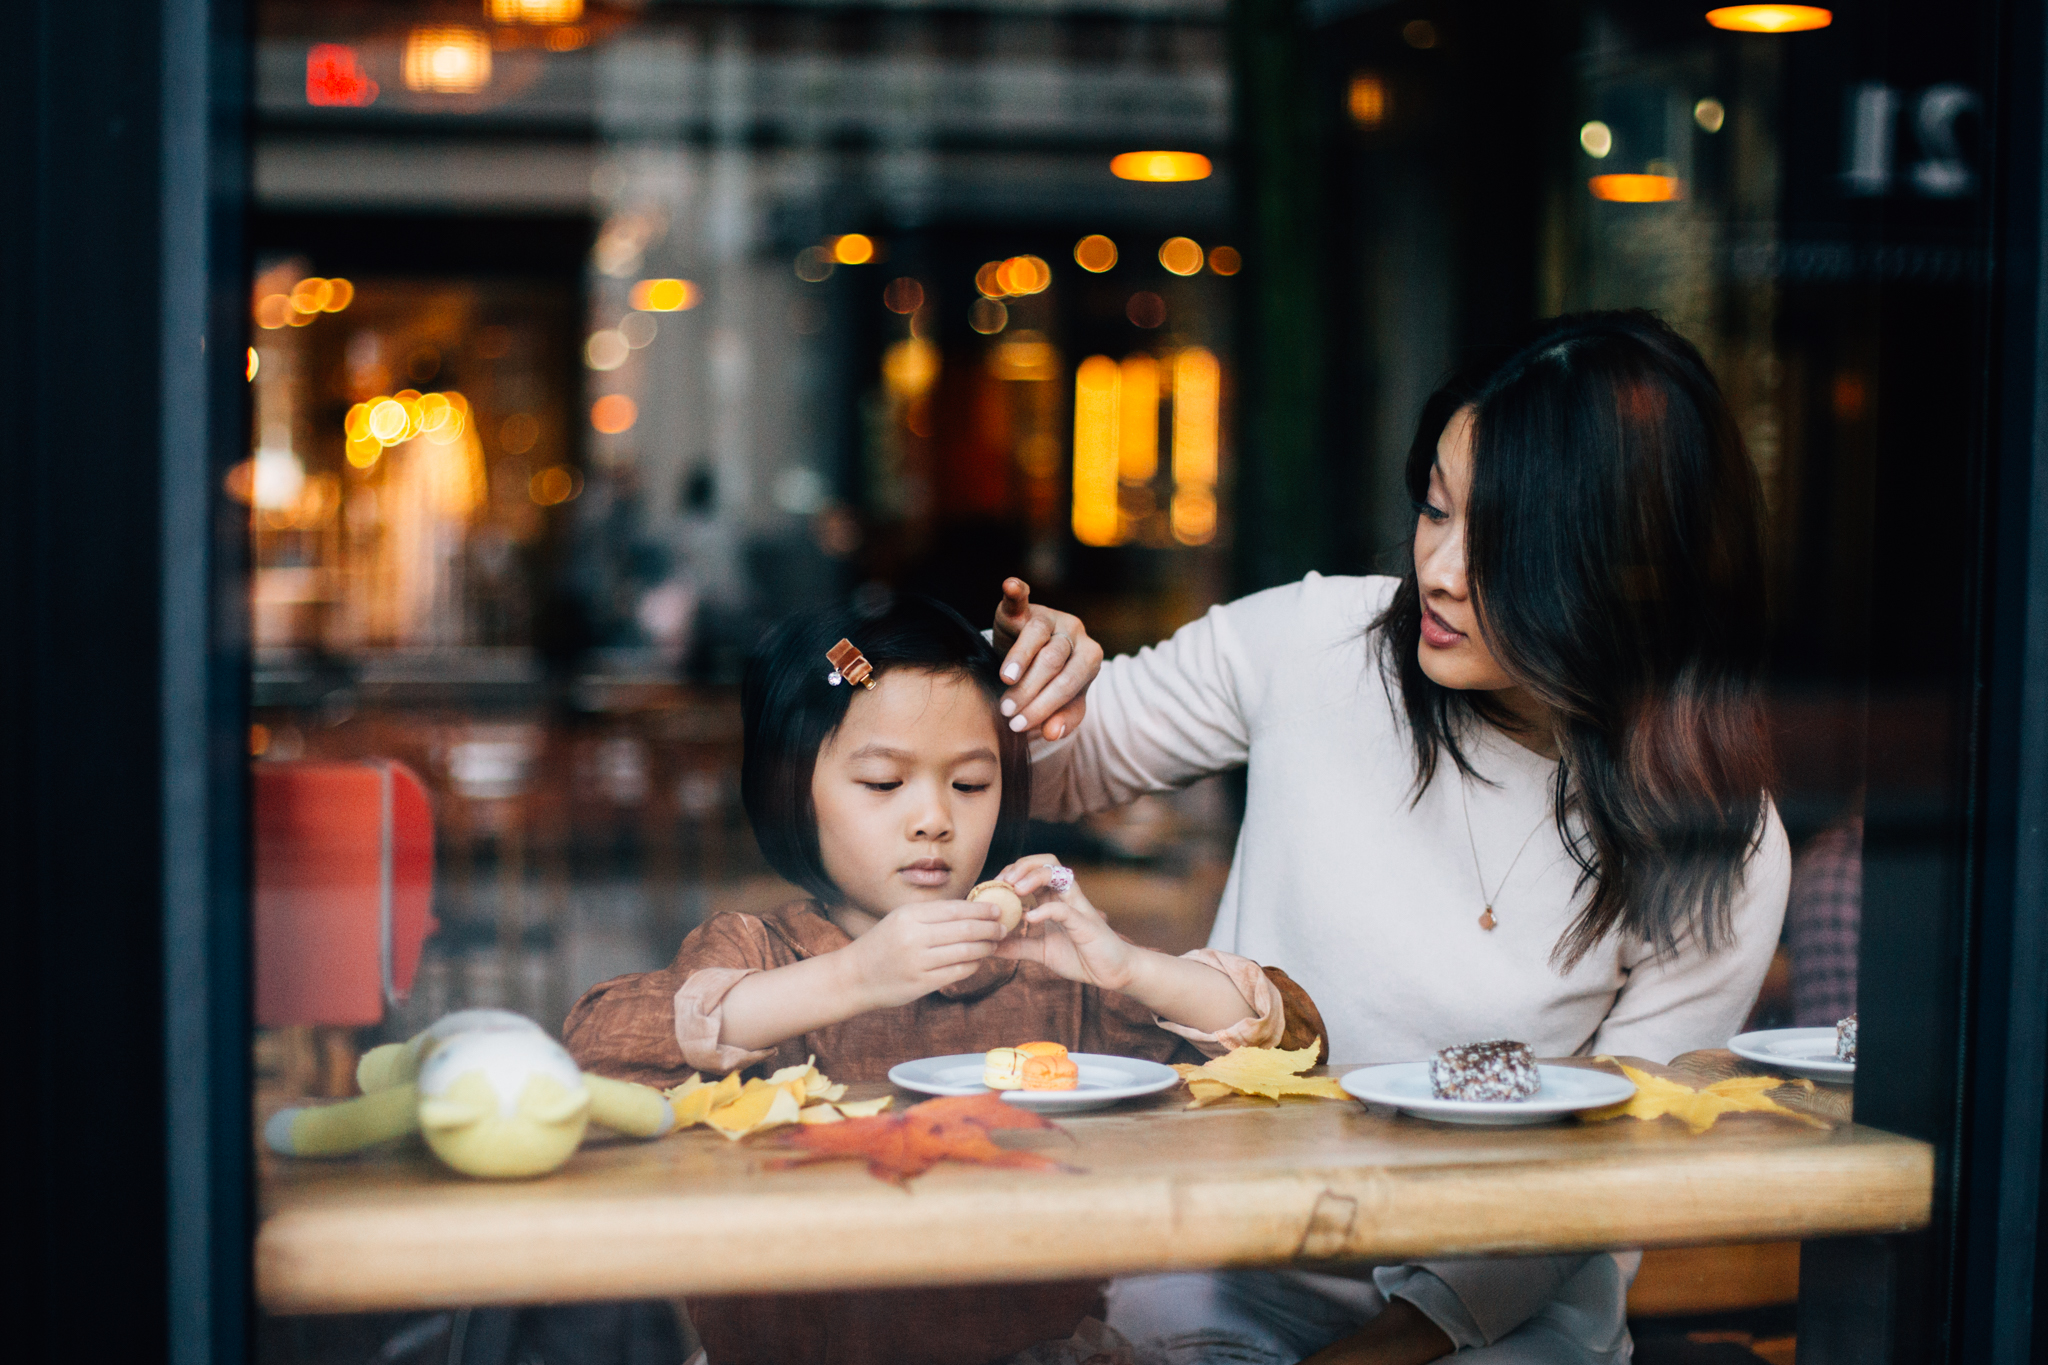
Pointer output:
1313, 612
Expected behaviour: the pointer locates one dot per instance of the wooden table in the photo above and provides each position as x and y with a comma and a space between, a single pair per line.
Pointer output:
1240, 1183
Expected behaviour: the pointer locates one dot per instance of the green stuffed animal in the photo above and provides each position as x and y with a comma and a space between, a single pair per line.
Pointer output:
493, 1094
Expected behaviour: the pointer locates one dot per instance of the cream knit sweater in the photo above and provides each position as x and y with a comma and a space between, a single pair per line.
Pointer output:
1366, 897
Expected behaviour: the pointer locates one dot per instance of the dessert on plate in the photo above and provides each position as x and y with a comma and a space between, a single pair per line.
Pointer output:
1497, 1069
1034, 1066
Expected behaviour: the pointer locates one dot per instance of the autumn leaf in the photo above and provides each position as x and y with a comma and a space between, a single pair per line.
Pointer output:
1657, 1096
795, 1094
1268, 1072
901, 1147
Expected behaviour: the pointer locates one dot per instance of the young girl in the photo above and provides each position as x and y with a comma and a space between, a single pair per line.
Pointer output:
887, 805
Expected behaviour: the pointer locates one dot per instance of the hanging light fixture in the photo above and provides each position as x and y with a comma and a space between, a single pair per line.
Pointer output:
1770, 18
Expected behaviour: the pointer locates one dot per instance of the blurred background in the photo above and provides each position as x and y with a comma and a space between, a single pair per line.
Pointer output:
592, 337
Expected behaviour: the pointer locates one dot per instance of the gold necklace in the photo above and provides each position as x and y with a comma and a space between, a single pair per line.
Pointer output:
1486, 919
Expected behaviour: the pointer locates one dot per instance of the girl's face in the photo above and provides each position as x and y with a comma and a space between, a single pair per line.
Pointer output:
907, 790
1452, 653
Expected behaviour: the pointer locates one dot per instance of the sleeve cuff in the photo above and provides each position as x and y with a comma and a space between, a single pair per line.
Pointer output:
1435, 1299
1261, 1028
700, 1006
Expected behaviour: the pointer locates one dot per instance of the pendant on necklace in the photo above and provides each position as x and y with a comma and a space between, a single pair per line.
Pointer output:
1486, 919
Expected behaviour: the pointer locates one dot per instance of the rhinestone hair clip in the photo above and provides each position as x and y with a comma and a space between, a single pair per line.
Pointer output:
849, 665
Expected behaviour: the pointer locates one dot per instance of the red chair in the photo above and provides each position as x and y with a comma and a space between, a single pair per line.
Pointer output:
344, 890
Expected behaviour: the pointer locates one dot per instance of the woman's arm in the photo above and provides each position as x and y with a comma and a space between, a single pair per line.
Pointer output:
1693, 999
914, 950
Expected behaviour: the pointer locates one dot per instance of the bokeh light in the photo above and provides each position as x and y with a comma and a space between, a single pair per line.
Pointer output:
1181, 255
273, 311
255, 364
1095, 253
614, 413
1225, 260
814, 264
1597, 139
668, 296
312, 295
519, 433
535, 11
554, 485
1096, 519
1419, 34
1146, 309
1160, 167
1710, 115
1367, 100
853, 249
1137, 450
447, 59
910, 367
903, 295
1770, 18
638, 329
1634, 189
606, 350
988, 316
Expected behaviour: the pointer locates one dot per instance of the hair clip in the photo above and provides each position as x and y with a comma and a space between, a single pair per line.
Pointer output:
849, 665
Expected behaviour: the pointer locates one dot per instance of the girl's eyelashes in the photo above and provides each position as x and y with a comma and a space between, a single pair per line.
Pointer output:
1430, 510
888, 786
972, 786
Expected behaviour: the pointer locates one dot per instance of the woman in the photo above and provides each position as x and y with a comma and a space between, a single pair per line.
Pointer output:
1519, 792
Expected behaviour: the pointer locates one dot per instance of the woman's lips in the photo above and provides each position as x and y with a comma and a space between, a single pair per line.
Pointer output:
1436, 632
930, 872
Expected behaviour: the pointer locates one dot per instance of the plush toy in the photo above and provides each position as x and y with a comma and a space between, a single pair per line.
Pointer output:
492, 1093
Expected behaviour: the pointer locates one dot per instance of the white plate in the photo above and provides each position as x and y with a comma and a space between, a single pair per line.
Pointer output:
1565, 1090
1104, 1080
1808, 1052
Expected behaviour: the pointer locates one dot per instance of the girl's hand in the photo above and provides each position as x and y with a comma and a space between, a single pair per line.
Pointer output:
917, 949
1049, 664
1064, 931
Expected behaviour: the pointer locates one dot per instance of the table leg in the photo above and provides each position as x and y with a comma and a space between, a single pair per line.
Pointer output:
1845, 1301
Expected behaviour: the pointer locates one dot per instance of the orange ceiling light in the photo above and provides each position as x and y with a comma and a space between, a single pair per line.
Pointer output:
1160, 167
1635, 189
1770, 18
664, 296
447, 59
535, 11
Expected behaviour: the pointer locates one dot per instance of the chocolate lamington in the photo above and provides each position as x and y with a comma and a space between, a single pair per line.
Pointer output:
1498, 1069
1845, 1039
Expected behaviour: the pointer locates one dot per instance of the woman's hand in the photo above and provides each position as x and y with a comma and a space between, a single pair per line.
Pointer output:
1049, 662
1064, 931
917, 949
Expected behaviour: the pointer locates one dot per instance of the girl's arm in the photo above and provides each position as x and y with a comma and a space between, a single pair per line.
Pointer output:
1070, 936
913, 951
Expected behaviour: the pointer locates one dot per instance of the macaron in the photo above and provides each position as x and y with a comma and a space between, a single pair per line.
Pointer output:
1004, 897
1002, 1068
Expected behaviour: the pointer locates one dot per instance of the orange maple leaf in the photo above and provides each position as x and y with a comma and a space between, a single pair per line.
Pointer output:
901, 1146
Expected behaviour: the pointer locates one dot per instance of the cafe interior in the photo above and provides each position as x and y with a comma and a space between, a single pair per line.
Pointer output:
577, 342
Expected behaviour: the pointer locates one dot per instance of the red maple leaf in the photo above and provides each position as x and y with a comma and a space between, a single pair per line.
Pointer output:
900, 1146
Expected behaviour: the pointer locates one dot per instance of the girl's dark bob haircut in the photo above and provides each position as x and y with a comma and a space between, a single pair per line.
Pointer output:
789, 710
1614, 550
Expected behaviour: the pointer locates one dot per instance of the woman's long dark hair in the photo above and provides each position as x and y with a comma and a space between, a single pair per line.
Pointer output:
788, 710
1614, 552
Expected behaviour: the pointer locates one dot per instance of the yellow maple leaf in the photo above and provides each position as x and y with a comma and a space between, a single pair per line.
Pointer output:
695, 1098
1269, 1072
1657, 1096
760, 1105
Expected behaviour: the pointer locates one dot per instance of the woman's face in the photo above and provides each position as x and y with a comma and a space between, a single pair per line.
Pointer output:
1452, 652
907, 790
